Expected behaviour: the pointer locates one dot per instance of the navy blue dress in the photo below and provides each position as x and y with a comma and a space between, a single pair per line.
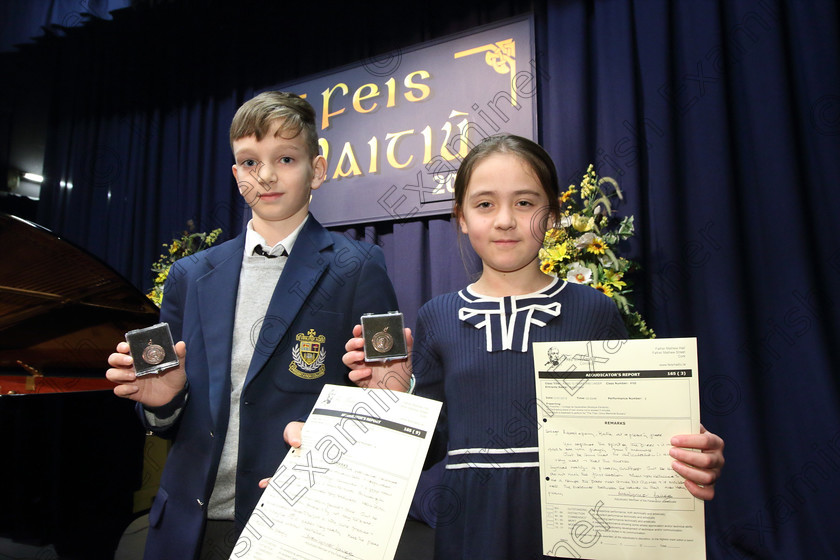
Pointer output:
474, 353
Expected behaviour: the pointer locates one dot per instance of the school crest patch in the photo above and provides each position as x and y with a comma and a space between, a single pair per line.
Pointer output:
308, 355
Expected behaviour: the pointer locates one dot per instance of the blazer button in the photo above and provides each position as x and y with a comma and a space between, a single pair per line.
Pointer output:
200, 503
211, 434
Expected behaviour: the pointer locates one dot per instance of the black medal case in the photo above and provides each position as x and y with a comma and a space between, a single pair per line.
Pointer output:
152, 349
384, 336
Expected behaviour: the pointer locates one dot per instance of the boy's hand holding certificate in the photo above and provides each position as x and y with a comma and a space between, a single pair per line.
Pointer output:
607, 411
345, 493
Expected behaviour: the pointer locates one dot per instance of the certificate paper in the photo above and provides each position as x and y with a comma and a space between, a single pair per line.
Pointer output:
345, 493
607, 411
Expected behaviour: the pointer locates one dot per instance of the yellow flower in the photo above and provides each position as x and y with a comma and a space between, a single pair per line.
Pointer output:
546, 266
582, 223
179, 248
553, 236
587, 185
556, 253
598, 246
567, 195
614, 278
156, 295
604, 288
162, 275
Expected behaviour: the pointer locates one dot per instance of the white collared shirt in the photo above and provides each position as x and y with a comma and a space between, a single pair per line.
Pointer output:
252, 239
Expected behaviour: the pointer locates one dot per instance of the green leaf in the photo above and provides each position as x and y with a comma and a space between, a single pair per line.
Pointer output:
626, 228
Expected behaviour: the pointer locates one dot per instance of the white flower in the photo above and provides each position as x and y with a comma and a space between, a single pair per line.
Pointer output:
579, 275
585, 240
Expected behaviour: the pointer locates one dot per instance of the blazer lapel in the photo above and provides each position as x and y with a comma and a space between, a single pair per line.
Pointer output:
302, 271
217, 307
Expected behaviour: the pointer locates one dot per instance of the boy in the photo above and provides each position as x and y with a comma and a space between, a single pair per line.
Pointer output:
262, 320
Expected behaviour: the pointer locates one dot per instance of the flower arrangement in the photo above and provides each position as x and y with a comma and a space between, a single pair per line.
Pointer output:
187, 244
581, 247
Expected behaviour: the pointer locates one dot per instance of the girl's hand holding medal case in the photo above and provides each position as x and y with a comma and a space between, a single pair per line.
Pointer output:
384, 337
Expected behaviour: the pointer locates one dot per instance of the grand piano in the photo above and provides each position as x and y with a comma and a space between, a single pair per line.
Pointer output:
71, 453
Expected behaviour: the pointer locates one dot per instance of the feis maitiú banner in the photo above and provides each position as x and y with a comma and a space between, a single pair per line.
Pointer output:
395, 128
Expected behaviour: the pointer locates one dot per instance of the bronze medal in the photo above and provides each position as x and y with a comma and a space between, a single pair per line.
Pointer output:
382, 341
153, 354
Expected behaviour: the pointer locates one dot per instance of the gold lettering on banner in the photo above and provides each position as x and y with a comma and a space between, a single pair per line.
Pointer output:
392, 148
358, 97
325, 148
427, 144
462, 137
347, 157
374, 154
326, 95
501, 56
364, 98
392, 91
424, 91
397, 150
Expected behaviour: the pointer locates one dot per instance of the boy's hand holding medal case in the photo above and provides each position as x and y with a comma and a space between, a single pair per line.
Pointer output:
152, 349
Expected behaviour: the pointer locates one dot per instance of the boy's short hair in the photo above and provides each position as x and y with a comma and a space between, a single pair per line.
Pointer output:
256, 116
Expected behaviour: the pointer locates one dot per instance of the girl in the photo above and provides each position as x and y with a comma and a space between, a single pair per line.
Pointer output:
472, 350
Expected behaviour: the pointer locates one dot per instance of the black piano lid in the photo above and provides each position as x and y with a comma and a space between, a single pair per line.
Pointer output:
62, 310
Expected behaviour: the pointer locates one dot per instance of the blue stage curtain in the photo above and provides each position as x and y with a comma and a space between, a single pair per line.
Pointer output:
24, 21
718, 118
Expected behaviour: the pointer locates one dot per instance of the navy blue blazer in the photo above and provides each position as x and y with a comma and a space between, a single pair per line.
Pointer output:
329, 281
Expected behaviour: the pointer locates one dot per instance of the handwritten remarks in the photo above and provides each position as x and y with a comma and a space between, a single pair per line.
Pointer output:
345, 493
607, 411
